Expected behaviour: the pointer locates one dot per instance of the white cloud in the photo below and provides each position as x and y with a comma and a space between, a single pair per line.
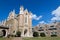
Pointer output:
42, 22
55, 18
56, 14
34, 16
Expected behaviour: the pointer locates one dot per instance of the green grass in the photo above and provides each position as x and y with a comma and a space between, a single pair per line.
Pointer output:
42, 38
36, 38
2, 38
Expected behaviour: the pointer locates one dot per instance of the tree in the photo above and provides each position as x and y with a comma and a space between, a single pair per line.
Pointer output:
18, 34
42, 34
53, 35
35, 34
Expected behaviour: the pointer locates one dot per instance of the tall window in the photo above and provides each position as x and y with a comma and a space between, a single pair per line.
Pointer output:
53, 33
25, 19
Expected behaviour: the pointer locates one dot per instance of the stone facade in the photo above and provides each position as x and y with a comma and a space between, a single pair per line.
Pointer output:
19, 22
49, 29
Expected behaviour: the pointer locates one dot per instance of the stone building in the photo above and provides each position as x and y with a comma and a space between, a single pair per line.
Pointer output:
49, 29
19, 22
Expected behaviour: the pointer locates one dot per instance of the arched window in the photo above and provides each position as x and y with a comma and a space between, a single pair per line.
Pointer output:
26, 18
25, 31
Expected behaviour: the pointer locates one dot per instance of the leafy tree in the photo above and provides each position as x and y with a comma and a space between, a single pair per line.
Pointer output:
42, 34
35, 34
18, 34
53, 35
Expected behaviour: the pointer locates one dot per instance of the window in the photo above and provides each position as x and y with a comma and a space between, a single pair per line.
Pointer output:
41, 30
25, 19
53, 33
52, 26
40, 27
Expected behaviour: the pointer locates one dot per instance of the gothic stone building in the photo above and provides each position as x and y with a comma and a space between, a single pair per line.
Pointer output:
19, 22
48, 29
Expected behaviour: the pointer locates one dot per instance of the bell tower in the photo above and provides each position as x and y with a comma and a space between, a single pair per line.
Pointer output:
21, 10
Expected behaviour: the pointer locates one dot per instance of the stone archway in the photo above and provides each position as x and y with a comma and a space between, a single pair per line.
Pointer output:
25, 31
4, 32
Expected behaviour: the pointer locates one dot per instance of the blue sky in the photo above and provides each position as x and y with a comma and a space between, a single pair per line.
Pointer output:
39, 8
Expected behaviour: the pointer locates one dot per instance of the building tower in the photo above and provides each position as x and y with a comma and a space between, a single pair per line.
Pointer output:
25, 23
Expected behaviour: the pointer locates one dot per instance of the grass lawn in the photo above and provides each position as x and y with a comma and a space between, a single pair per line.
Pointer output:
2, 38
42, 38
36, 38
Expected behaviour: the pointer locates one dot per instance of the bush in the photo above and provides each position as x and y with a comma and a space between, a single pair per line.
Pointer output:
35, 34
42, 34
1, 36
13, 36
53, 35
18, 34
8, 35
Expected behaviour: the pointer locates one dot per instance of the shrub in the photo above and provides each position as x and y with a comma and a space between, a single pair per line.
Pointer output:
13, 36
1, 36
18, 34
42, 34
35, 34
8, 36
53, 35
